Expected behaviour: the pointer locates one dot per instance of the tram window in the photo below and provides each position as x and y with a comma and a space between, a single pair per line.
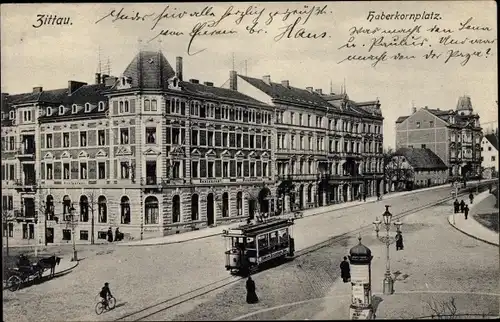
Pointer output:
283, 236
250, 243
273, 238
263, 242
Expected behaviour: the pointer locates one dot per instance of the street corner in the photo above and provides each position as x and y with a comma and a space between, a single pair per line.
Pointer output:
414, 305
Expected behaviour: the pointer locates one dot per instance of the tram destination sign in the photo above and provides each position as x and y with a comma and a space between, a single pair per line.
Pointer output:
273, 255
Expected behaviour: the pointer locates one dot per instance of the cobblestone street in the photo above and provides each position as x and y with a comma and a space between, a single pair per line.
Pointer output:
141, 277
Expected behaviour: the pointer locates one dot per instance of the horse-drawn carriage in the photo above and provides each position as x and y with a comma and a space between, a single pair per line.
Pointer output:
26, 271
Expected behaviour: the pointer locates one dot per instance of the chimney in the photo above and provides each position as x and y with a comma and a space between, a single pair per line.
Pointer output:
267, 79
97, 78
178, 67
285, 83
73, 86
319, 91
37, 89
309, 89
208, 84
233, 80
194, 81
438, 109
103, 78
425, 107
414, 109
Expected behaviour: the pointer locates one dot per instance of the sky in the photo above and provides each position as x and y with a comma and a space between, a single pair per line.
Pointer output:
50, 55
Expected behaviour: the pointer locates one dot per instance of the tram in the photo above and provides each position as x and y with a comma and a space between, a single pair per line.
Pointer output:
250, 245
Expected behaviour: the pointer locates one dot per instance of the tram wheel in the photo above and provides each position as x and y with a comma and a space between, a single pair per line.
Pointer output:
14, 283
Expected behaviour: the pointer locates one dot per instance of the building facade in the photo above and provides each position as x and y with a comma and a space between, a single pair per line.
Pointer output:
489, 151
154, 154
453, 135
328, 148
412, 168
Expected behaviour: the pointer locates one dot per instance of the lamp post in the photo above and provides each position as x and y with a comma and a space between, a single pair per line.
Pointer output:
387, 216
72, 212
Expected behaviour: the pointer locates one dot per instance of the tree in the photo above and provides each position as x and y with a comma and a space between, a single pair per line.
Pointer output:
440, 309
92, 207
387, 155
399, 172
7, 218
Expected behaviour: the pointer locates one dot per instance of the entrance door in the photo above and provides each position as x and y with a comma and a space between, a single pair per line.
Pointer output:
251, 209
344, 192
210, 209
301, 196
49, 236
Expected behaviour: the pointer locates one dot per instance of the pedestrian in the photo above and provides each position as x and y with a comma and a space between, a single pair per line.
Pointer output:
399, 241
466, 211
378, 196
110, 235
117, 234
252, 297
345, 270
471, 197
456, 205
489, 187
462, 205
364, 197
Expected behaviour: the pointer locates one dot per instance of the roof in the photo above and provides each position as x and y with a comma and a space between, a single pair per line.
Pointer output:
217, 92
271, 224
401, 119
288, 94
493, 140
464, 103
422, 158
149, 69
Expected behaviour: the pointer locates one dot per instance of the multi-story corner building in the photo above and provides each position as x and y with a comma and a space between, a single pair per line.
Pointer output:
489, 155
154, 154
453, 135
147, 151
328, 149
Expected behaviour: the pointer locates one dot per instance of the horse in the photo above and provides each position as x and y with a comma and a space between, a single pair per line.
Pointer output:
49, 263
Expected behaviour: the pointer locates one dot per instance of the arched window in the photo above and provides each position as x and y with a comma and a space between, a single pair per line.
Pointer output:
87, 107
74, 108
309, 193
225, 204
126, 107
121, 107
151, 211
49, 111
102, 209
125, 210
61, 110
176, 209
154, 105
195, 207
84, 209
239, 203
101, 106
147, 105
66, 207
49, 208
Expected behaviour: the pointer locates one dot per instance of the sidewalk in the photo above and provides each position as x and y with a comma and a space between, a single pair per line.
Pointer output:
214, 231
471, 227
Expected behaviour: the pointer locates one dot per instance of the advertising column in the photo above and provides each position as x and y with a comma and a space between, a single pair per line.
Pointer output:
361, 300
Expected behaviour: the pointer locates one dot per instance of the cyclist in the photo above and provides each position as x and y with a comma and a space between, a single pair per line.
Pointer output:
104, 294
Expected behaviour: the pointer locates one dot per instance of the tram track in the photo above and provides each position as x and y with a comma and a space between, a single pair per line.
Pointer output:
175, 301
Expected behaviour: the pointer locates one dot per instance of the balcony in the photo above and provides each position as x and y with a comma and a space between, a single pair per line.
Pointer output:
26, 154
152, 184
27, 185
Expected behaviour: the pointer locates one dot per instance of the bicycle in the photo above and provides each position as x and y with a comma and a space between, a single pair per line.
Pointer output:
101, 306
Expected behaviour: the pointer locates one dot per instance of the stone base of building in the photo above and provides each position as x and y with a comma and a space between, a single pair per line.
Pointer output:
356, 313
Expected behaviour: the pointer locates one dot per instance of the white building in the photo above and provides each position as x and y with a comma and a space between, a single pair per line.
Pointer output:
489, 162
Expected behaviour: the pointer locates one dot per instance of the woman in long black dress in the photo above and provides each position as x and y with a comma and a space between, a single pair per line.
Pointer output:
251, 294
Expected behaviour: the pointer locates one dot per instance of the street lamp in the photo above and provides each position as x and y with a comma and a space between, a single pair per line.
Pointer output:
387, 217
72, 211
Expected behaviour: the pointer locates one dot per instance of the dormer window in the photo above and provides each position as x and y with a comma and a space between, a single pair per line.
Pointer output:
11, 115
49, 111
87, 107
61, 110
124, 81
101, 106
74, 109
